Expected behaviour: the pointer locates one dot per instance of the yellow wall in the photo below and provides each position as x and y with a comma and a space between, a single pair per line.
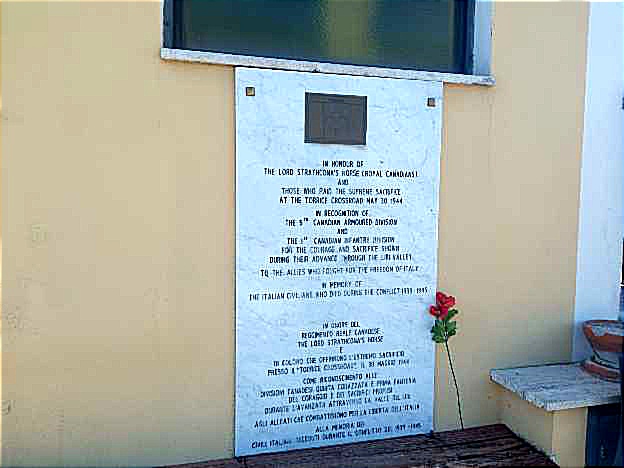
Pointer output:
528, 421
509, 202
118, 215
569, 432
559, 434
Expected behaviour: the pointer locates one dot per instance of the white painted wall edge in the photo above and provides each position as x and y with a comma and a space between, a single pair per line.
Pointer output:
482, 40
320, 67
601, 208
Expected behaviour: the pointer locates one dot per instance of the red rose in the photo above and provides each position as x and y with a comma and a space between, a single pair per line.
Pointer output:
444, 302
438, 312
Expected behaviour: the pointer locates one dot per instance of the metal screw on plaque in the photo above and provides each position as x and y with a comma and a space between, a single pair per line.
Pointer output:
250, 91
431, 102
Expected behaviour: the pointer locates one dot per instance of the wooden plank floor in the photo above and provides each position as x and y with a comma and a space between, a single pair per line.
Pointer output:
490, 446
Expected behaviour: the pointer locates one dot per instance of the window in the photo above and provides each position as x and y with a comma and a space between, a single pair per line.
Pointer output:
427, 35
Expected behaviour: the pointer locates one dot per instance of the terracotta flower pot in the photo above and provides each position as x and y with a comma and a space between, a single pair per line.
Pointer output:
604, 335
606, 338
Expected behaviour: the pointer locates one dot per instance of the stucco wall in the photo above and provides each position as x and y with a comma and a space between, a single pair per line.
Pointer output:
509, 201
118, 343
118, 241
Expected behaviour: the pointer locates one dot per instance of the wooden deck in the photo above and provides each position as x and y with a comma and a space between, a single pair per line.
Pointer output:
491, 446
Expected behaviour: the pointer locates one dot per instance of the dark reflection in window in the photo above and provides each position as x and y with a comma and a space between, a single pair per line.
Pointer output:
412, 34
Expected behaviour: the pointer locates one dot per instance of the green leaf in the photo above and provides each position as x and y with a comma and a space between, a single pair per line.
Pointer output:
452, 333
452, 313
452, 326
438, 332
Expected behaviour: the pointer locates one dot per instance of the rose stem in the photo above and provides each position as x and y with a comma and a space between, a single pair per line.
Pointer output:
448, 352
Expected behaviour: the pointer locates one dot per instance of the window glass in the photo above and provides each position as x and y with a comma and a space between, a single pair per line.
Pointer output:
411, 34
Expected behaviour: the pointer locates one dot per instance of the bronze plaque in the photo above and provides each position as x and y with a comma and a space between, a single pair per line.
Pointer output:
335, 119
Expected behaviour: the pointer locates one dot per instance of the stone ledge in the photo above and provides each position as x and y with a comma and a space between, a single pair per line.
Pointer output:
556, 387
217, 58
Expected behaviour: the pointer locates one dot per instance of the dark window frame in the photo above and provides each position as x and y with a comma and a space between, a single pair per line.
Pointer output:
466, 24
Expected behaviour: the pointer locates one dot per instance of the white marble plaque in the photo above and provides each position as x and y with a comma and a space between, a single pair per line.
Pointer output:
335, 264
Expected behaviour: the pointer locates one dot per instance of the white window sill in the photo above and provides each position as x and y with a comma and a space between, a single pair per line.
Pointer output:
319, 67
